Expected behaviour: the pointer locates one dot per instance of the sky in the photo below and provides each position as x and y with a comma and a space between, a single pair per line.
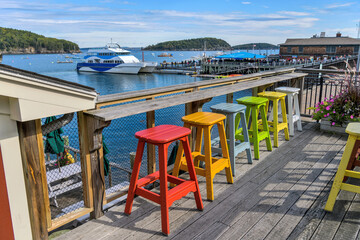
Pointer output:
139, 23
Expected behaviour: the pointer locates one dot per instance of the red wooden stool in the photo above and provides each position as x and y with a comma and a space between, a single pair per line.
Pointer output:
163, 136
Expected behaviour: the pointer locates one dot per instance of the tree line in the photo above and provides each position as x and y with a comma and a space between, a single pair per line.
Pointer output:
13, 40
191, 44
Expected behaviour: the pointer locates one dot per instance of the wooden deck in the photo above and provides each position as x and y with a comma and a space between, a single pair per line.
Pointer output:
280, 196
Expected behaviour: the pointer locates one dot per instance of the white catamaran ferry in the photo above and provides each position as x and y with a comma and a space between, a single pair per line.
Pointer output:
113, 59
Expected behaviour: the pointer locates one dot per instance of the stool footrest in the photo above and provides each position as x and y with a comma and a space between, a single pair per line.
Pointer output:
350, 188
148, 179
148, 194
181, 190
352, 174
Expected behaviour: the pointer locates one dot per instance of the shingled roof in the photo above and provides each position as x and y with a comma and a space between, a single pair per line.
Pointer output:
321, 41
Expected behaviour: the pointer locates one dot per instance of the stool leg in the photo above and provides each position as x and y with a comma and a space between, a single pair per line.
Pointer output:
297, 112
208, 164
255, 132
231, 121
164, 189
198, 144
276, 123
340, 173
246, 136
266, 128
134, 177
225, 151
290, 114
192, 173
178, 162
283, 114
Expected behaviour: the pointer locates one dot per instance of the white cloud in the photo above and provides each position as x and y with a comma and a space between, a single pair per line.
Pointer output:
293, 13
339, 5
246, 3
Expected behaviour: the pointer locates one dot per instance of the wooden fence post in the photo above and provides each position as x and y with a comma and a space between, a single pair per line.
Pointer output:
151, 158
33, 159
93, 145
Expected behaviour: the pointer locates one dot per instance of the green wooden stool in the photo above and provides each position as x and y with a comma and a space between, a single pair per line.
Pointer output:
255, 105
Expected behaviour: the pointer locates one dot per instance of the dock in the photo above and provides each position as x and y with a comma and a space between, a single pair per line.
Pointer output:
280, 196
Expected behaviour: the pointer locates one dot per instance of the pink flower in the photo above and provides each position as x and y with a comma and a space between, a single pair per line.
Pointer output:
322, 103
351, 116
332, 100
325, 115
334, 111
327, 108
316, 110
328, 114
333, 123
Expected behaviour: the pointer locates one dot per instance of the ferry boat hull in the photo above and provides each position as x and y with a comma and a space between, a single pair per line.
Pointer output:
110, 68
148, 67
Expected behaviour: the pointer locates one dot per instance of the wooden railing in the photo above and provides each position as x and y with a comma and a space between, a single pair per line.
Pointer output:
92, 122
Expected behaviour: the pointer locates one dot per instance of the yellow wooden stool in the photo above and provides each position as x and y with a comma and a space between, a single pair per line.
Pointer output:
353, 129
203, 122
274, 125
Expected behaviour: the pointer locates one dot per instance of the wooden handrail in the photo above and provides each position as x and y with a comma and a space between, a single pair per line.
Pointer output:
116, 98
110, 113
326, 71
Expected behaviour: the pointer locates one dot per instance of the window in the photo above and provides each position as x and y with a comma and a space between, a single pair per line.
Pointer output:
301, 49
330, 49
289, 49
356, 49
90, 61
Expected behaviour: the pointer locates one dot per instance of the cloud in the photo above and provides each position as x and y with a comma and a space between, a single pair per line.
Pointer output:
246, 3
293, 13
338, 5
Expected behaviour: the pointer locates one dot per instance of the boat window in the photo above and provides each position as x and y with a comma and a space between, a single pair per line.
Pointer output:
97, 60
90, 61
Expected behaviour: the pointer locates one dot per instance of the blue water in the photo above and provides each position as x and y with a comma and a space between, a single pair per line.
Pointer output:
119, 136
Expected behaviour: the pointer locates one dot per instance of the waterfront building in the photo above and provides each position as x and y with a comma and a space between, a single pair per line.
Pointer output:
319, 46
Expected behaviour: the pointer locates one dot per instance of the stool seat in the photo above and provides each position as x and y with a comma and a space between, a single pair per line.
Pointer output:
272, 95
252, 100
203, 118
228, 108
162, 134
287, 89
353, 129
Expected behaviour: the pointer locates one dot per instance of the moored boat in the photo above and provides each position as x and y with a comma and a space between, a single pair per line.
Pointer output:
111, 59
165, 55
148, 67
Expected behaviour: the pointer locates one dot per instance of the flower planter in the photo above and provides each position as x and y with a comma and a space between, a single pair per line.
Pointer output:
325, 125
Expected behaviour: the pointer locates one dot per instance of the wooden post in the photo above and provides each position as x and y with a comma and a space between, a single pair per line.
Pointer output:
94, 150
151, 158
33, 159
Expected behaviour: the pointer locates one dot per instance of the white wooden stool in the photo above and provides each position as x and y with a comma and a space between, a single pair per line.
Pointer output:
293, 104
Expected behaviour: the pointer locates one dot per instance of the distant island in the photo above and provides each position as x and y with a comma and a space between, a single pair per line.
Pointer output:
13, 41
196, 44
261, 46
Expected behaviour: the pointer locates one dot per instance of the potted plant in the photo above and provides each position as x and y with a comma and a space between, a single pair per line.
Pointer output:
337, 111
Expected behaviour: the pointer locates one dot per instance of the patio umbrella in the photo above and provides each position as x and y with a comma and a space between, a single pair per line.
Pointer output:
54, 143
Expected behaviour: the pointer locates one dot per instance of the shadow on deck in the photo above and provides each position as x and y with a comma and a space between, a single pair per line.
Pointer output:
280, 196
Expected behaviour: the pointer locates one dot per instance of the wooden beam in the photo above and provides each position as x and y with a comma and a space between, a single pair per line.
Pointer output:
95, 149
85, 161
125, 110
34, 176
151, 157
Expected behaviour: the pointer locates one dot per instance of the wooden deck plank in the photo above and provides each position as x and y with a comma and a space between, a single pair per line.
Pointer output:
350, 225
280, 196
270, 220
296, 212
234, 195
248, 213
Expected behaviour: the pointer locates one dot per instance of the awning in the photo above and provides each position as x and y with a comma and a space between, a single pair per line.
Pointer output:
241, 55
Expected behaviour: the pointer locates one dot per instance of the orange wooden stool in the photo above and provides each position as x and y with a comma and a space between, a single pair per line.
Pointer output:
162, 136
